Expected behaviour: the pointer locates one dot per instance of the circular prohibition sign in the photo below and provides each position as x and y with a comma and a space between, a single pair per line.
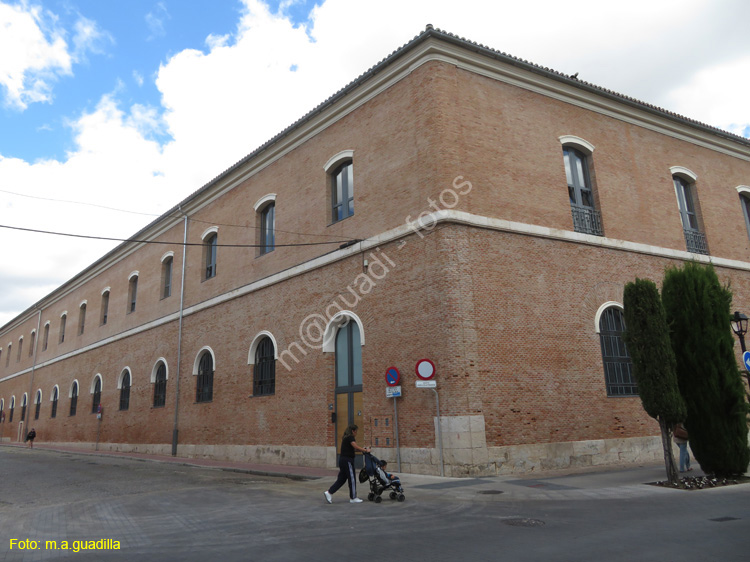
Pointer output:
425, 369
392, 376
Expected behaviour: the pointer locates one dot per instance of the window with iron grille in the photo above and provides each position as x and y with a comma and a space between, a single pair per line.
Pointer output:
586, 219
97, 396
12, 407
342, 191
55, 395
23, 407
264, 371
73, 398
618, 368
204, 390
160, 386
38, 404
125, 391
695, 240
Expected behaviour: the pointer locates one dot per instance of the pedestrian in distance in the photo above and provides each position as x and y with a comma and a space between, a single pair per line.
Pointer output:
346, 466
681, 438
30, 437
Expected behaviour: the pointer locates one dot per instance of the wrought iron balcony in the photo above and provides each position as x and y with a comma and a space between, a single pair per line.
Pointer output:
696, 242
587, 221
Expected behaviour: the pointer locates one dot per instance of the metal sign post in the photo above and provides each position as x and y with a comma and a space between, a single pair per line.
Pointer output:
425, 370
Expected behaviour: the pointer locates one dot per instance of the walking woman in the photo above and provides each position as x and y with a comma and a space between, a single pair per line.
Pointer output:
346, 466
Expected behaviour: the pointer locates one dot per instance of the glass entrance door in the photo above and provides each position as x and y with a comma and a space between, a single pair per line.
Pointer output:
349, 385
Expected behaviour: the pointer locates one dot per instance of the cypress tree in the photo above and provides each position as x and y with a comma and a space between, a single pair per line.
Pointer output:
697, 308
654, 366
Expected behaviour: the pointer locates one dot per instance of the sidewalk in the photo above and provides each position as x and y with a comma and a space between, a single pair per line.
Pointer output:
610, 482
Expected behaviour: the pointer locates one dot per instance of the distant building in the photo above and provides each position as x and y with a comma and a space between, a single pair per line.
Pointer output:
479, 211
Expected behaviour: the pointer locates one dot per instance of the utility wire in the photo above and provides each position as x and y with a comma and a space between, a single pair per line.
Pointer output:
339, 242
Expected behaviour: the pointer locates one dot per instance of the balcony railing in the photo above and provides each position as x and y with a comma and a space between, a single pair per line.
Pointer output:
696, 242
587, 221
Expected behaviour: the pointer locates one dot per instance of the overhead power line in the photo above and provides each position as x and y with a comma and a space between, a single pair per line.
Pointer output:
136, 241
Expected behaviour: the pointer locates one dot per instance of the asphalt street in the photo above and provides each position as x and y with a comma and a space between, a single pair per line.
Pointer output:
170, 511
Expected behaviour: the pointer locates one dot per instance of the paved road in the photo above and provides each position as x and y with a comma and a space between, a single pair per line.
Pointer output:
163, 511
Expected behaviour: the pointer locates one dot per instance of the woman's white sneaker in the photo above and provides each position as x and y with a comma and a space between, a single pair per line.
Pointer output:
355, 500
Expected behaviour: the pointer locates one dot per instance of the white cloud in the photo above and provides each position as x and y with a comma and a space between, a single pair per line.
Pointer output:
220, 104
155, 21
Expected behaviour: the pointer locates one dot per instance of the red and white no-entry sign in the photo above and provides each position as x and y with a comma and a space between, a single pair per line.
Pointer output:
425, 369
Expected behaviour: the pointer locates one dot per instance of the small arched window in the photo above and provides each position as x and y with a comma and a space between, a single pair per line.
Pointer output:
267, 232
12, 407
577, 160
96, 400
37, 404
73, 398
264, 370
125, 390
204, 389
24, 403
210, 244
55, 396
685, 188
160, 386
342, 191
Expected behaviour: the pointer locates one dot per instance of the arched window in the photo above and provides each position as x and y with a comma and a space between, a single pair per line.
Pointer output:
24, 402
20, 349
105, 307
618, 368
12, 407
73, 398
744, 192
45, 342
125, 390
166, 275
63, 322
132, 291
82, 318
96, 395
264, 370
160, 385
7, 356
586, 217
204, 388
348, 373
37, 403
32, 342
55, 396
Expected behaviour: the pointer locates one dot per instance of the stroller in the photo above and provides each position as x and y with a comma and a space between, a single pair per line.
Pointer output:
379, 482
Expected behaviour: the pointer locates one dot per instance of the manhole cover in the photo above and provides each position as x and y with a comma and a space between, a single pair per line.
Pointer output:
490, 492
523, 522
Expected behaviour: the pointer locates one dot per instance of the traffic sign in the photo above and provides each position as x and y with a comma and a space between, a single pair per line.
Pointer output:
392, 376
746, 360
393, 391
426, 384
425, 369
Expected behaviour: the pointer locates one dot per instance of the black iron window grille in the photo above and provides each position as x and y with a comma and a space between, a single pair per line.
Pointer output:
160, 386
204, 390
264, 372
618, 368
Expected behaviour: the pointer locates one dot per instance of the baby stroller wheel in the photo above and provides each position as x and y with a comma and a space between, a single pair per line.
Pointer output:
401, 497
378, 499
370, 496
394, 495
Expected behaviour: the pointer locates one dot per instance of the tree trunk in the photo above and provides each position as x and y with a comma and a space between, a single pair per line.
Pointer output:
666, 440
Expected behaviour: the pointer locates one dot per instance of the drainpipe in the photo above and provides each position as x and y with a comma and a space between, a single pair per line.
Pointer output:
179, 336
33, 368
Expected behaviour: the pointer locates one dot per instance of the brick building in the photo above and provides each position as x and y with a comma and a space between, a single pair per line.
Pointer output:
499, 210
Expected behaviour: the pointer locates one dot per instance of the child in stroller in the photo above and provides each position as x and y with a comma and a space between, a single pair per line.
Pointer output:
380, 480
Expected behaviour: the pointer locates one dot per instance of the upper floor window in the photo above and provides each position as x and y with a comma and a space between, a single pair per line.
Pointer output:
55, 396
82, 318
105, 306
342, 191
45, 342
744, 192
125, 390
684, 185
264, 369
12, 407
96, 393
618, 368
204, 388
267, 235
63, 321
166, 275
73, 398
132, 291
24, 402
20, 348
32, 342
7, 356
160, 385
576, 157
210, 244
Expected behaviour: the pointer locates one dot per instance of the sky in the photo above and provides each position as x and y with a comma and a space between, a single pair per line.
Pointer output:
112, 112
